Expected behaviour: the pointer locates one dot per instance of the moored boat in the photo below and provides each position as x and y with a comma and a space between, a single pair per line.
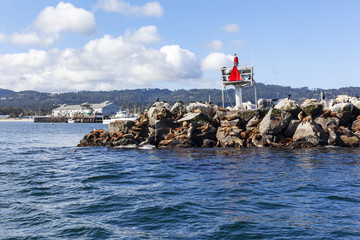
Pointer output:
122, 115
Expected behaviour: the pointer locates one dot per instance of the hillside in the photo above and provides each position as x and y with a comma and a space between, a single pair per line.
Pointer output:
33, 102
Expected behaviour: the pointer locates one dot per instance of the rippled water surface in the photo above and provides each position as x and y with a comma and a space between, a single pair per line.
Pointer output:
49, 189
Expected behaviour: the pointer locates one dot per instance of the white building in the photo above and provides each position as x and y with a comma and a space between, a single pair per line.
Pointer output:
85, 110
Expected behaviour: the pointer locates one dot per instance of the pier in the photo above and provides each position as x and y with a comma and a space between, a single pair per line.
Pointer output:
43, 119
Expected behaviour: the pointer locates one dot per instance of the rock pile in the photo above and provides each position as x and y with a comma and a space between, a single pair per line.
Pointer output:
284, 124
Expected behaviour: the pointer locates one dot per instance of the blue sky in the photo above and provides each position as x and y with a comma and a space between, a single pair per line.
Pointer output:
59, 46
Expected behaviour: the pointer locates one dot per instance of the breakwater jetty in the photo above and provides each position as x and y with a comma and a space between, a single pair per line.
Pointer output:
283, 123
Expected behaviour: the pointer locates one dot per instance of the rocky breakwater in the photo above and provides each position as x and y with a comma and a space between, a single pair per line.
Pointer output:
283, 124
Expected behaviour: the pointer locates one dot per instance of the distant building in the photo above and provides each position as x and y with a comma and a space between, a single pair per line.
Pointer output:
86, 110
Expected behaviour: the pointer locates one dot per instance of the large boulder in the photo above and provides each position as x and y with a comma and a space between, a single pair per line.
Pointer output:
205, 136
288, 105
327, 123
197, 118
229, 137
158, 111
265, 104
179, 141
310, 132
178, 108
348, 141
356, 125
291, 128
356, 104
162, 128
121, 126
247, 114
311, 107
98, 137
162, 104
125, 141
231, 123
274, 122
228, 133
222, 113
327, 104
343, 111
253, 122
204, 108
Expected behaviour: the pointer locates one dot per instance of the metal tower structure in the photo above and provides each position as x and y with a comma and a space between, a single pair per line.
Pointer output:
239, 77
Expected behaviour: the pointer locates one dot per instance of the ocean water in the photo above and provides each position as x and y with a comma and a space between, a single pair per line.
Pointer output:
49, 189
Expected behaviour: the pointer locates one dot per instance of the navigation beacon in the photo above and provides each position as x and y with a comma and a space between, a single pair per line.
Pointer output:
239, 77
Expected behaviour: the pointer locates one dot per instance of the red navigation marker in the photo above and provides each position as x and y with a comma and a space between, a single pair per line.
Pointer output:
236, 60
235, 75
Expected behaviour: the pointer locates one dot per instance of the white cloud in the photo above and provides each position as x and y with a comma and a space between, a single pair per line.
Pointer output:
150, 9
215, 45
106, 63
51, 22
231, 28
3, 37
147, 34
25, 38
215, 61
65, 17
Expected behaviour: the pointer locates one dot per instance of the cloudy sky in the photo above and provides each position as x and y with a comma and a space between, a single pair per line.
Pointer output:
59, 46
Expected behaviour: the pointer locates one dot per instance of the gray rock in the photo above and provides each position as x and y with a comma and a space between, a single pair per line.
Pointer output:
327, 104
208, 143
247, 114
310, 132
204, 108
274, 122
356, 125
265, 104
348, 141
231, 123
196, 118
229, 137
181, 141
357, 133
345, 131
356, 104
288, 105
165, 123
343, 111
178, 108
199, 135
253, 122
158, 111
121, 126
333, 137
162, 128
300, 144
311, 107
328, 123
124, 141
266, 138
291, 128
162, 105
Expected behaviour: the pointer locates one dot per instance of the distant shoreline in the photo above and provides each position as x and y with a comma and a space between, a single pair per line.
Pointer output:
16, 120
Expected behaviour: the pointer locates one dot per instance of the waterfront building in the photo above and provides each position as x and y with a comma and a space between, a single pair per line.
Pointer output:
106, 108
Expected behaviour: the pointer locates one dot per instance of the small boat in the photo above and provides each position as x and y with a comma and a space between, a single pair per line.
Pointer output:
73, 121
122, 115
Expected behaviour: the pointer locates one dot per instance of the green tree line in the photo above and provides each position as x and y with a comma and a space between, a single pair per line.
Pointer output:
40, 103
